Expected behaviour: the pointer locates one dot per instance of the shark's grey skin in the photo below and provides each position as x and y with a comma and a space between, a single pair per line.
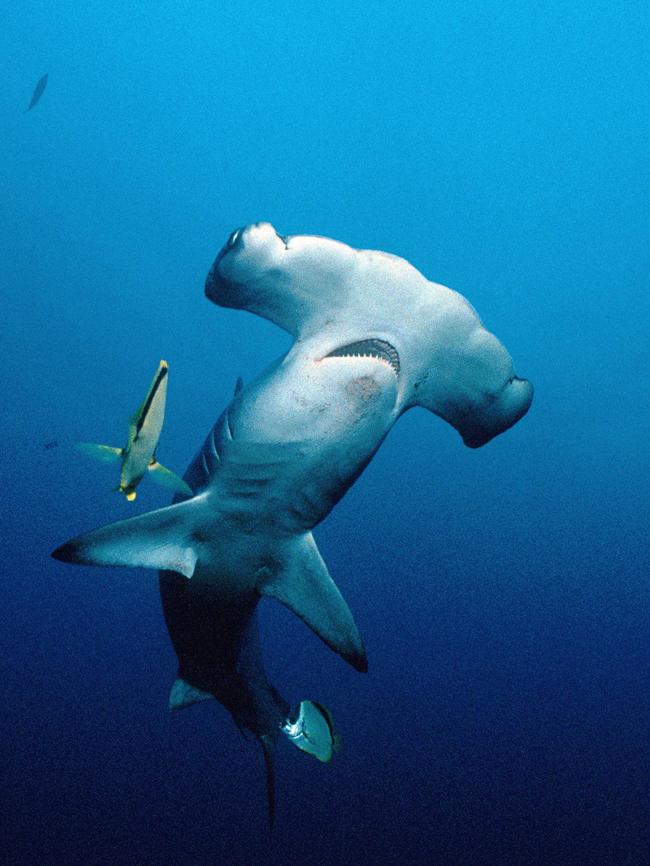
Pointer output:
372, 338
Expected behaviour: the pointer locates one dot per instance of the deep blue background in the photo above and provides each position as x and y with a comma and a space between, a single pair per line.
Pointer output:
503, 594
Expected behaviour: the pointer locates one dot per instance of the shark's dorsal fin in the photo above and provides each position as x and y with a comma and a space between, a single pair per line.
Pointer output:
161, 539
300, 580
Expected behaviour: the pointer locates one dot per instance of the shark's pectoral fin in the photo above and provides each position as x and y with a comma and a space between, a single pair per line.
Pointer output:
301, 581
161, 539
168, 479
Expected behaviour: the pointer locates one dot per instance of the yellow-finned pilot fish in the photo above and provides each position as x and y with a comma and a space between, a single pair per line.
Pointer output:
138, 457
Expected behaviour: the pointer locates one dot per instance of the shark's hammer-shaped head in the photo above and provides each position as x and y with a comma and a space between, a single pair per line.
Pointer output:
342, 303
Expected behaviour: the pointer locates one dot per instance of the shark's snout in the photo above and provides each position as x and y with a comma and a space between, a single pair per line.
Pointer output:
232, 240
245, 256
214, 279
511, 404
218, 287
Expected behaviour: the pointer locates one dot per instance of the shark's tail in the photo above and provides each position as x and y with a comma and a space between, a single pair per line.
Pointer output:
268, 750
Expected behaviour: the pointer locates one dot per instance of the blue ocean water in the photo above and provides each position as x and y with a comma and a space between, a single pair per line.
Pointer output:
502, 593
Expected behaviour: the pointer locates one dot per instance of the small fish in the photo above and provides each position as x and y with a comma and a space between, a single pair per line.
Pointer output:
49, 445
138, 457
41, 84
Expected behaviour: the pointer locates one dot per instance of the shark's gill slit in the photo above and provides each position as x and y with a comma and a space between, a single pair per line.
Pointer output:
372, 348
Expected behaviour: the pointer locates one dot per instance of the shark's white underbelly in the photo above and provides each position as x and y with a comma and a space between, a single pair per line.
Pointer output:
292, 442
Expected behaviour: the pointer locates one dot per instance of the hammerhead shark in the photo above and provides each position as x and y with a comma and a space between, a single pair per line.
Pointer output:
372, 339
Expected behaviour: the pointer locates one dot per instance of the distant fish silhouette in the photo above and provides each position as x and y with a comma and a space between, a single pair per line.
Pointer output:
51, 444
41, 84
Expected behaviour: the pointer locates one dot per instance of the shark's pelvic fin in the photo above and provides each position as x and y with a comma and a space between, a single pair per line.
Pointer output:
168, 479
105, 453
160, 539
184, 695
301, 581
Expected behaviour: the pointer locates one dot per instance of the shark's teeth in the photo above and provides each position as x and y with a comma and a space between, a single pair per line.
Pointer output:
372, 348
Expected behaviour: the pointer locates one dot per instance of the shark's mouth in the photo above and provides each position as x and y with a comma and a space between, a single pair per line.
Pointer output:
372, 348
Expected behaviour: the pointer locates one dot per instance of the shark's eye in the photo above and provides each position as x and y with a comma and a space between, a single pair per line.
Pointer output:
372, 348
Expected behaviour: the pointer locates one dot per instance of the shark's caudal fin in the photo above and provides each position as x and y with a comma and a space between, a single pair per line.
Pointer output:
301, 581
268, 750
161, 539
